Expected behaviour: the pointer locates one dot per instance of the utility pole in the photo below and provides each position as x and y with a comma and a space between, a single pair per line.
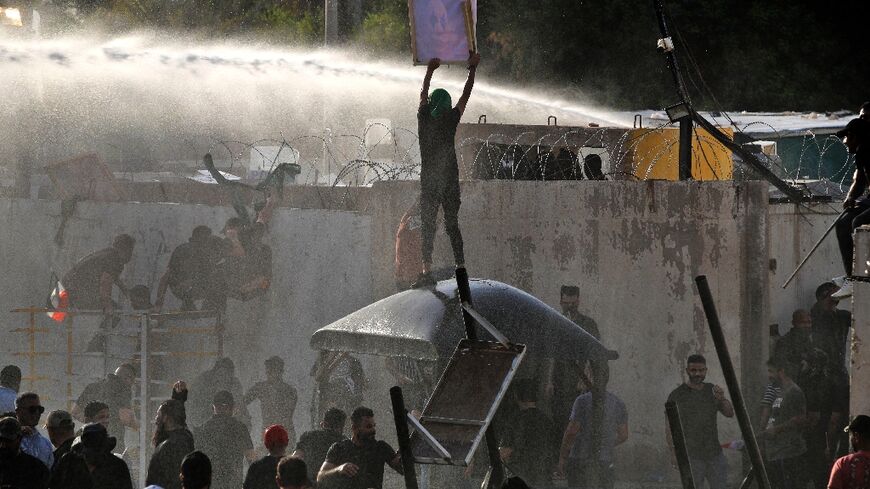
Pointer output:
330, 15
666, 44
685, 114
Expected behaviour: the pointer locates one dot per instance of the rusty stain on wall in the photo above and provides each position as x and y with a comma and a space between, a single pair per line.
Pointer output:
564, 250
521, 250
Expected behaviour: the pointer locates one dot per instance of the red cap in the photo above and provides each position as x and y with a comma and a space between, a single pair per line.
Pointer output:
275, 436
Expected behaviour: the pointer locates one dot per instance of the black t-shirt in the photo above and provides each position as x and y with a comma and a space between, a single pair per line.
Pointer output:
532, 437
71, 472
698, 413
261, 473
224, 439
277, 403
437, 147
833, 327
111, 473
83, 280
23, 472
194, 264
60, 451
370, 459
165, 464
116, 394
789, 443
314, 445
820, 393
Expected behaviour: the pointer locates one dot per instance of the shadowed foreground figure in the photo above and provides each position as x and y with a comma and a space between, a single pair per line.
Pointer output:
784, 435
17, 469
277, 398
261, 473
28, 410
172, 441
528, 447
577, 457
358, 463
195, 471
95, 447
10, 382
855, 136
226, 441
853, 470
115, 392
292, 474
700, 403
439, 171
221, 377
313, 445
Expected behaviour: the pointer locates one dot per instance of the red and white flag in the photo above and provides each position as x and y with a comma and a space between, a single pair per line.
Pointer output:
59, 302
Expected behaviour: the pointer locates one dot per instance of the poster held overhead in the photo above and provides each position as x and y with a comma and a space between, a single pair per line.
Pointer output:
444, 29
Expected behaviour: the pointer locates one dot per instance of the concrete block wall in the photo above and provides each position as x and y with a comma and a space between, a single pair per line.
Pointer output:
634, 249
859, 402
792, 233
302, 298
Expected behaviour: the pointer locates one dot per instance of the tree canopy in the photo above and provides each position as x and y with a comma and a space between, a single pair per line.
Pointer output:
736, 55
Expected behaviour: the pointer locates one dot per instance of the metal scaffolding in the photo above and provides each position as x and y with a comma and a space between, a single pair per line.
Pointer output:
140, 329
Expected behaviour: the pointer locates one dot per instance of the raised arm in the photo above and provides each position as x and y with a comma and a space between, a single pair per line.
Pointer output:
722, 403
473, 61
265, 214
433, 65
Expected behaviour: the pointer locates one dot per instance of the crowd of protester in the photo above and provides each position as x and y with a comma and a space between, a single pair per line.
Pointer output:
203, 433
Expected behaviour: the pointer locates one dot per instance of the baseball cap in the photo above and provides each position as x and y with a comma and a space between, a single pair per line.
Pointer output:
59, 419
855, 126
10, 428
223, 398
275, 436
860, 424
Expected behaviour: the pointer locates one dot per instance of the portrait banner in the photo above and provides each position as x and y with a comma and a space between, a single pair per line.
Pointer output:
444, 29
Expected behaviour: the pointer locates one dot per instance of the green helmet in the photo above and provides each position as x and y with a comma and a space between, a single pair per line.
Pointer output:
439, 102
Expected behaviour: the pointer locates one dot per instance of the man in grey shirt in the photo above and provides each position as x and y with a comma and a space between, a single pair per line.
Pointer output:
783, 435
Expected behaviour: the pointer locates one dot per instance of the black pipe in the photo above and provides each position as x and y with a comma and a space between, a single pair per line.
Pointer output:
732, 383
464, 290
497, 470
679, 439
685, 166
750, 159
685, 151
669, 54
400, 417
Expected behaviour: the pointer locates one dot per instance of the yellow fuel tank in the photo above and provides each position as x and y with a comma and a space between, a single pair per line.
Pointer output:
655, 154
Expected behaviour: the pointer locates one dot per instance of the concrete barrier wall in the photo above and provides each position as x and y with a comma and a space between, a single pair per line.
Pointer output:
793, 232
634, 249
302, 298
